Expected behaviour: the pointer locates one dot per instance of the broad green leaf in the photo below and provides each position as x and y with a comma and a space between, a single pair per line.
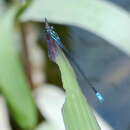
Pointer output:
101, 17
13, 83
76, 112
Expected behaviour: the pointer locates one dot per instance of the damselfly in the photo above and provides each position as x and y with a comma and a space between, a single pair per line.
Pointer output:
53, 40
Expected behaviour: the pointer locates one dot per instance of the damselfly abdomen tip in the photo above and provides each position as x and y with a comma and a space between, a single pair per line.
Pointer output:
99, 97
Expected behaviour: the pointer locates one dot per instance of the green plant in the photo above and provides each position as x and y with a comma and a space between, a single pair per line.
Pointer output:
99, 17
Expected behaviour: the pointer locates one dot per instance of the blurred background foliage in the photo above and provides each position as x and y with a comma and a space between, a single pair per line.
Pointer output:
95, 31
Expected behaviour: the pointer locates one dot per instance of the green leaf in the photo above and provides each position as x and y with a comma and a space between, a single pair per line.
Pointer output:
101, 17
76, 111
13, 83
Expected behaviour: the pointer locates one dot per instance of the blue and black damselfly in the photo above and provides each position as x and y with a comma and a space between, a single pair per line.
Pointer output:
53, 40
